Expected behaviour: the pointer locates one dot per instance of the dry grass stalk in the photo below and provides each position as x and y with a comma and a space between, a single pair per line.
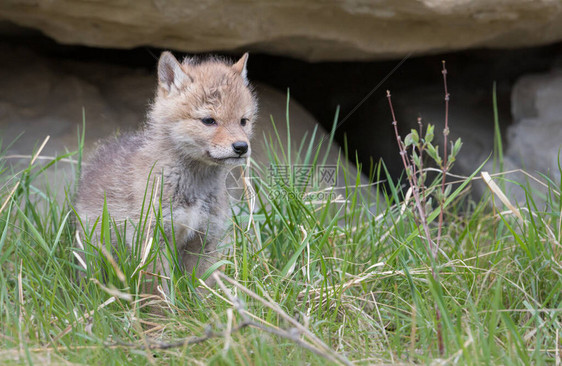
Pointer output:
499, 193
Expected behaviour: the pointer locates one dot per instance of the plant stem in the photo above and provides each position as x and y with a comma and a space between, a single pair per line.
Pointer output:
412, 179
445, 162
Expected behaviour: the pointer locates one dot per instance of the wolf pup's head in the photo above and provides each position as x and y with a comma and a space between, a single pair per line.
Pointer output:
205, 109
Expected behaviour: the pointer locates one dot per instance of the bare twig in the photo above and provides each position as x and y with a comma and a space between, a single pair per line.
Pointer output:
412, 180
423, 193
445, 163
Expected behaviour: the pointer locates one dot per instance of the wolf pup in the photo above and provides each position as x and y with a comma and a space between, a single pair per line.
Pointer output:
198, 127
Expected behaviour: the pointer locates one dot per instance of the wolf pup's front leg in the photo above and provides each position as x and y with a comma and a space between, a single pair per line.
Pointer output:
199, 126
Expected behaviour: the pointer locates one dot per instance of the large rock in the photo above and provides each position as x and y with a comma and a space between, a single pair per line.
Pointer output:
312, 29
535, 137
532, 142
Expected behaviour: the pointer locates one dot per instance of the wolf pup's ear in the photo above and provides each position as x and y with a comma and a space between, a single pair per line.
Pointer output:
240, 68
170, 74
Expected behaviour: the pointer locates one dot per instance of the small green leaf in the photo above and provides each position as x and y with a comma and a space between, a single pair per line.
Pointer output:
457, 146
433, 152
429, 133
415, 136
408, 140
438, 195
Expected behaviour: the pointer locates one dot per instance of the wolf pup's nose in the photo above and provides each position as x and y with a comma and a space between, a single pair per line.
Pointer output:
240, 147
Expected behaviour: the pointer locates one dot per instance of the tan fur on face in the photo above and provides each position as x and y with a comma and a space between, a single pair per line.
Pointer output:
212, 89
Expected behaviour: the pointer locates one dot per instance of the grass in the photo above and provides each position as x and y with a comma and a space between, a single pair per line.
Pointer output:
354, 271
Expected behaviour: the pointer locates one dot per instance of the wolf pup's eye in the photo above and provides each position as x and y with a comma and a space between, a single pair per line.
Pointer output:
243, 121
209, 121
